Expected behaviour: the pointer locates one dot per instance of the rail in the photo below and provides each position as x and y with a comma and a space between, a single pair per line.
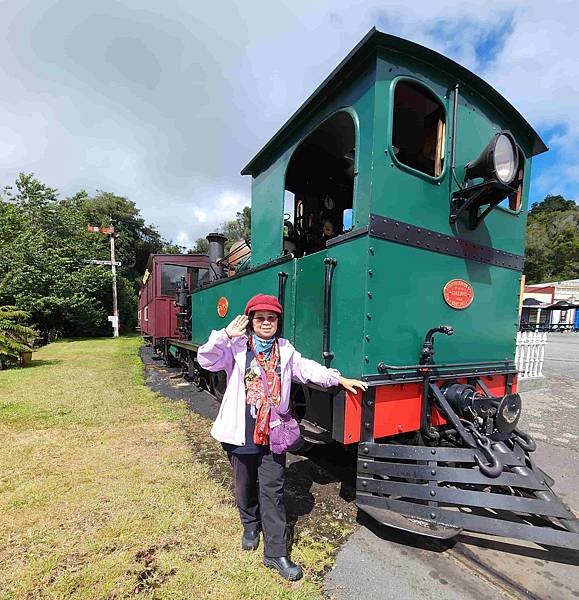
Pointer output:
530, 353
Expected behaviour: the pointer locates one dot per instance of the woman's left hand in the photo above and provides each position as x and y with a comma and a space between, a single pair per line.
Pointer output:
352, 384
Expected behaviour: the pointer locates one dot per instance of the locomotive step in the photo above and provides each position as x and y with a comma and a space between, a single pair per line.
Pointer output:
409, 524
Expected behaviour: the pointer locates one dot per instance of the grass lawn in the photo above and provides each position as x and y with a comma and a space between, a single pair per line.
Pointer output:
102, 496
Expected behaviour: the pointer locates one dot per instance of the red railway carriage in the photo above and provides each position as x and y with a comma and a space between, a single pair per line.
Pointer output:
158, 313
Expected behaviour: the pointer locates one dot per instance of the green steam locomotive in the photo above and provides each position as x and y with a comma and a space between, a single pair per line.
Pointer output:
389, 212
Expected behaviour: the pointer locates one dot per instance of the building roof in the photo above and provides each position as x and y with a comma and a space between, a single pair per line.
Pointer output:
555, 283
369, 46
562, 305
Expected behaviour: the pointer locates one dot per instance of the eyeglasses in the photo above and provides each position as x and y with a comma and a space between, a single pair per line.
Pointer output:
270, 319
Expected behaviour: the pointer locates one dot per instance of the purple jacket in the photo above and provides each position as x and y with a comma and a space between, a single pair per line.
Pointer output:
220, 353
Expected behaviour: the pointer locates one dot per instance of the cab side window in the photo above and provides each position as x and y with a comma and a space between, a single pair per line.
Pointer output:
418, 128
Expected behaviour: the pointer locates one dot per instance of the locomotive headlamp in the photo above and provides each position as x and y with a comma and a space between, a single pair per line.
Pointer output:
497, 161
497, 165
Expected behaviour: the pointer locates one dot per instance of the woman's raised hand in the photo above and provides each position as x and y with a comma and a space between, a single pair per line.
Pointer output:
237, 326
352, 384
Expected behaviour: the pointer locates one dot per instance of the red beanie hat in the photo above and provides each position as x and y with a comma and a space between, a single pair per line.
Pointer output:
263, 302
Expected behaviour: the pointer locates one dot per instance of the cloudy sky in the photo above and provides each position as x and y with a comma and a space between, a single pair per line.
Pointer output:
165, 102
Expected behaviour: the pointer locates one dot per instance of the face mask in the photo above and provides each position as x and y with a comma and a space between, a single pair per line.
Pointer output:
262, 345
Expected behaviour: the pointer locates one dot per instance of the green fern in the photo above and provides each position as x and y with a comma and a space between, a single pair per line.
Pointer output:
15, 337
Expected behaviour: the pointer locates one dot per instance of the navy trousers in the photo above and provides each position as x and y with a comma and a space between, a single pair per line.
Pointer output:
259, 482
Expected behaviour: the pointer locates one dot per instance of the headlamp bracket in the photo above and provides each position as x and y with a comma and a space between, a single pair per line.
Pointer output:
471, 199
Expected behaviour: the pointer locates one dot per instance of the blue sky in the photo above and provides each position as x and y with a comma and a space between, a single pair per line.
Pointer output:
165, 102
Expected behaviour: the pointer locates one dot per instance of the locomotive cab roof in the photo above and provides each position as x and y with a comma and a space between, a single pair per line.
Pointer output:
367, 49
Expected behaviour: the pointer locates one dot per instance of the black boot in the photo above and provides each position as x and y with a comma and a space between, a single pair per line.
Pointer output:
285, 567
250, 539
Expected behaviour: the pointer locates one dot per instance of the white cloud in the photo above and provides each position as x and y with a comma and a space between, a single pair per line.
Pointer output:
164, 103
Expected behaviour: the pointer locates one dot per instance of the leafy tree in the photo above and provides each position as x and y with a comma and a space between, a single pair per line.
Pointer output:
236, 229
45, 253
551, 204
136, 240
15, 337
552, 251
201, 247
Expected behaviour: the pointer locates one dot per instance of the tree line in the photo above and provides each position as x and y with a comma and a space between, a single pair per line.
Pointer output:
45, 249
552, 247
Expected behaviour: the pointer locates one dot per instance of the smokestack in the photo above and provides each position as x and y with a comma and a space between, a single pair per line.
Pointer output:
216, 251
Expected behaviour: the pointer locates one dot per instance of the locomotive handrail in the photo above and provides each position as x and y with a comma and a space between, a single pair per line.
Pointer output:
327, 354
282, 279
383, 367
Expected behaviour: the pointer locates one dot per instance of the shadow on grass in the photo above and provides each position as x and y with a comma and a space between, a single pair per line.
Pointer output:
42, 362
327, 468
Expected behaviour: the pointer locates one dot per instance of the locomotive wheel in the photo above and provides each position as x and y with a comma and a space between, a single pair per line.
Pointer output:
218, 384
171, 361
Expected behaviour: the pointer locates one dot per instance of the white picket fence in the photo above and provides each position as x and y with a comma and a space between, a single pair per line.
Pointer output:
530, 353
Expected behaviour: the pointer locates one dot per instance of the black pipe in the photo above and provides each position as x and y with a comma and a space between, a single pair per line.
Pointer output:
427, 353
282, 278
383, 367
329, 263
425, 412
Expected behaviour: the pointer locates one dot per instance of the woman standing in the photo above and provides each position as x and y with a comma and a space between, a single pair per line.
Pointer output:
260, 368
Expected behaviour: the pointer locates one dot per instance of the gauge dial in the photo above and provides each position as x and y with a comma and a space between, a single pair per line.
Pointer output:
329, 202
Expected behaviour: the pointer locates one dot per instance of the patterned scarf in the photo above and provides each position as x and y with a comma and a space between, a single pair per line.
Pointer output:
269, 365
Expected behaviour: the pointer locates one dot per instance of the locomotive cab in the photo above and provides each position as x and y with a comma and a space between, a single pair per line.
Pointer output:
388, 212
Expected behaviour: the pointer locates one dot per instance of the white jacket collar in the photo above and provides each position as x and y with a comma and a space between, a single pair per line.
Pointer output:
239, 346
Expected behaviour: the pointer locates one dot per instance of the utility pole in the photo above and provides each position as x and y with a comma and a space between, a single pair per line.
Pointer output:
115, 320
110, 231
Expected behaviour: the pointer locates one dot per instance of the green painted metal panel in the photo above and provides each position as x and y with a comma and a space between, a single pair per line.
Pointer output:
378, 42
348, 317
309, 307
406, 286
267, 203
346, 305
238, 291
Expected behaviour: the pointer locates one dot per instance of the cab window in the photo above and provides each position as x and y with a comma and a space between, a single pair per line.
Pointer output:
418, 128
319, 186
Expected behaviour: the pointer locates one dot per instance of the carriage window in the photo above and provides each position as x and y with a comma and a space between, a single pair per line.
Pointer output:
418, 128
170, 275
